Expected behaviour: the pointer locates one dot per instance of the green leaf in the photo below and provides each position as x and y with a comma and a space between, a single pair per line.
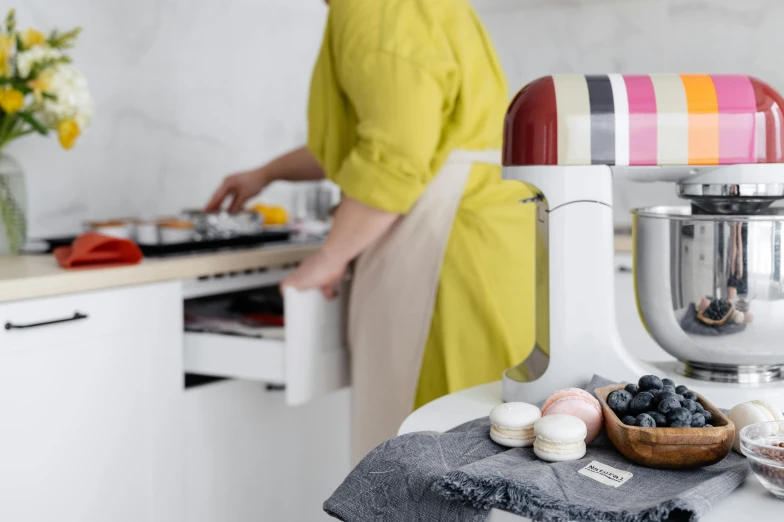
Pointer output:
35, 124
49, 96
65, 40
45, 64
19, 45
10, 21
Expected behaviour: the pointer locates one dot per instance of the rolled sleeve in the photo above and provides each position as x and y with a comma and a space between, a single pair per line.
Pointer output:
399, 112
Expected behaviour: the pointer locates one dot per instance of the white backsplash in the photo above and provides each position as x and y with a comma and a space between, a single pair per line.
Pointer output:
190, 90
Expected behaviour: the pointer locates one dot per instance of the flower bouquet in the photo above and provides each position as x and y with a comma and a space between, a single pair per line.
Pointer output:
40, 92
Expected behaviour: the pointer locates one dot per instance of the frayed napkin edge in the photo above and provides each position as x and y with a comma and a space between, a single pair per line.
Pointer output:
510, 496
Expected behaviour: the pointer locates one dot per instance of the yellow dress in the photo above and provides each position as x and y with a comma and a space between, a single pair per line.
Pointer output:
397, 86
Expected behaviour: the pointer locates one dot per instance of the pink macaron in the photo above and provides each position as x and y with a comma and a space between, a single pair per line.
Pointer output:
577, 403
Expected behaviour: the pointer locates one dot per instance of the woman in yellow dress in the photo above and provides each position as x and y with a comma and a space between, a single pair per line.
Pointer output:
406, 116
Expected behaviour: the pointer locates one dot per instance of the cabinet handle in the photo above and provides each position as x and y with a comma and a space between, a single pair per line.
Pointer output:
76, 317
623, 268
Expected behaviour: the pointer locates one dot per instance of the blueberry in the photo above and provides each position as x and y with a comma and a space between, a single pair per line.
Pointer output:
680, 424
690, 405
641, 403
644, 420
707, 415
650, 382
690, 395
669, 404
668, 382
661, 420
679, 415
708, 426
632, 388
660, 396
629, 420
680, 390
618, 401
669, 388
697, 420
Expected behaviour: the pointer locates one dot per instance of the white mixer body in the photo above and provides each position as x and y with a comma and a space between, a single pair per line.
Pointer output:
583, 332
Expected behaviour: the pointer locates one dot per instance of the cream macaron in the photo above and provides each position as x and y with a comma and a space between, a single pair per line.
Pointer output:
577, 403
513, 424
560, 438
752, 412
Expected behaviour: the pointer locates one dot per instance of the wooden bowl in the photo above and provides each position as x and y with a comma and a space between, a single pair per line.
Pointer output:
720, 322
669, 448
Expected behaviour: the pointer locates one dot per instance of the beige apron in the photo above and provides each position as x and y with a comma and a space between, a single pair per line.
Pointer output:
393, 294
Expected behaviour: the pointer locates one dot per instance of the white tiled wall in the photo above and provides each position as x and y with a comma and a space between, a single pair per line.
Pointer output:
189, 90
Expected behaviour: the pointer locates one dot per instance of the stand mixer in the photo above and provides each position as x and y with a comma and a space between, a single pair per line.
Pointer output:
720, 140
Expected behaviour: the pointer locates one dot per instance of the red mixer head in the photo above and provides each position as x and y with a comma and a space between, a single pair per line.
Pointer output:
645, 120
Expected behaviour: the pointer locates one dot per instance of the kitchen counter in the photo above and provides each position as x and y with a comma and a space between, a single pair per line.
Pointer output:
749, 502
32, 276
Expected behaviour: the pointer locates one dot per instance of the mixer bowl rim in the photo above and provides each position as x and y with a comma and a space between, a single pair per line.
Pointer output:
684, 213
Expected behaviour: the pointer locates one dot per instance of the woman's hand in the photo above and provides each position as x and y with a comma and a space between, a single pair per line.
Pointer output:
240, 187
318, 271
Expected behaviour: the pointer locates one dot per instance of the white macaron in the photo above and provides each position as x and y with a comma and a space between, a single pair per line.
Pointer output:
748, 413
560, 438
513, 424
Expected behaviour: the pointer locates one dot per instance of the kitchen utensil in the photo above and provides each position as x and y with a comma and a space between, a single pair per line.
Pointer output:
567, 137
176, 231
147, 233
763, 445
669, 448
223, 224
114, 228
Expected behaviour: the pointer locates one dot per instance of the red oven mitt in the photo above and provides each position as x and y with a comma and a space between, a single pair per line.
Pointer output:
96, 250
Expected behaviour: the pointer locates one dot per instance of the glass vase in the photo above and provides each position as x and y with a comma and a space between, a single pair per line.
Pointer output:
13, 206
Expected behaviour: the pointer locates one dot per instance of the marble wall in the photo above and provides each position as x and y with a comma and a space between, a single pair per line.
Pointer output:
188, 91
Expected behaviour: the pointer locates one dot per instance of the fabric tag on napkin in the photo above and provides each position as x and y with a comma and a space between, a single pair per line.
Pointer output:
605, 474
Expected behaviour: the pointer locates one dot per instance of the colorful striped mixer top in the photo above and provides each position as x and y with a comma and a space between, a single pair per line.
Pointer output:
638, 120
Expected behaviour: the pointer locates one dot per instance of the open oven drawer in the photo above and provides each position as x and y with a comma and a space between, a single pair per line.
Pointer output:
311, 360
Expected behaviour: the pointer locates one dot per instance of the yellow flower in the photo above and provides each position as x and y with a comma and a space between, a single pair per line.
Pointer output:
39, 86
68, 131
11, 100
6, 47
32, 37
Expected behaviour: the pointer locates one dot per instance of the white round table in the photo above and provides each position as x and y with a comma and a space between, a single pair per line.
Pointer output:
749, 502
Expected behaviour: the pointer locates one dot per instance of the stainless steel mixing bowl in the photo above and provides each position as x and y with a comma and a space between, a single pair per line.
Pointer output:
681, 258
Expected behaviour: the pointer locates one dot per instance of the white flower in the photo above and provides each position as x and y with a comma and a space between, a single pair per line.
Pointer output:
73, 100
26, 60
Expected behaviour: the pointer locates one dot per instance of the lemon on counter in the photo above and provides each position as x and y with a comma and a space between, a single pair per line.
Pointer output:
272, 215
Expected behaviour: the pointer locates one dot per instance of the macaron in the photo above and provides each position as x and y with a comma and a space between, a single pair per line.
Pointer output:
560, 438
513, 424
752, 412
578, 403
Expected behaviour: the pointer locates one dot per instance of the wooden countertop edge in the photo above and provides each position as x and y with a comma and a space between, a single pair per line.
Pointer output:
28, 277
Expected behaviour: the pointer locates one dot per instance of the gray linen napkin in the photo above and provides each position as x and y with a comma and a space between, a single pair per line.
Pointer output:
459, 475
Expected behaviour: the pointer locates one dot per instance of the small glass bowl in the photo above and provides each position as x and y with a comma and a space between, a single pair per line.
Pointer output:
763, 445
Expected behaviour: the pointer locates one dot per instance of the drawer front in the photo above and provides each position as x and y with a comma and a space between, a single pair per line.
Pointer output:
235, 357
37, 322
311, 361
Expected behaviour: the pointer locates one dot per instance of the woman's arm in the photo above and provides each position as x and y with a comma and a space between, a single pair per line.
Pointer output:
297, 165
355, 227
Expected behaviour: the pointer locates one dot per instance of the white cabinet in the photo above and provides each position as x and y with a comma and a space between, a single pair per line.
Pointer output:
91, 408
